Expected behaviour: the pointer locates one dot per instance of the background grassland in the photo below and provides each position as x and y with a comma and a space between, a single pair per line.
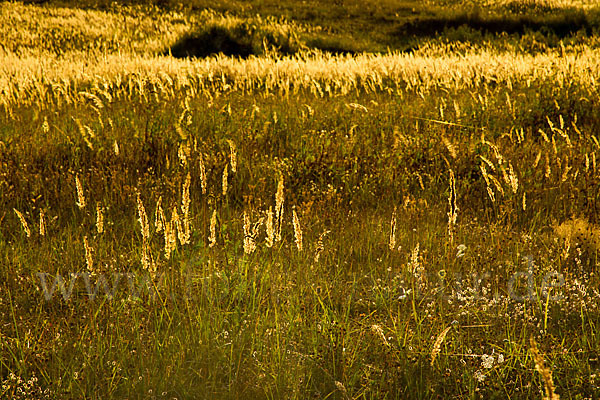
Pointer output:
366, 145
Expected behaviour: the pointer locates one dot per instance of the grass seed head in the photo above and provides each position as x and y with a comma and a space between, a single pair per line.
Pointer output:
89, 259
225, 178
99, 219
170, 236
212, 238
159, 216
80, 196
453, 212
185, 196
202, 173
42, 223
269, 228
544, 371
297, 230
249, 236
437, 345
233, 156
143, 219
320, 246
23, 222
279, 200
392, 244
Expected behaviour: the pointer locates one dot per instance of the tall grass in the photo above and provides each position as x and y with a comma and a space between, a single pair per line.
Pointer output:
221, 228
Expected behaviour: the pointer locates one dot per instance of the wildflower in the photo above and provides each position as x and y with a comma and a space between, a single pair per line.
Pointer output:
487, 362
378, 330
479, 375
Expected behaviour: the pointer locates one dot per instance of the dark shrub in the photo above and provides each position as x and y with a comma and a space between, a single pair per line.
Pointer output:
215, 40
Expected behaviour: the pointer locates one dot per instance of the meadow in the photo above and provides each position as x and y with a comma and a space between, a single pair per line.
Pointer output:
355, 200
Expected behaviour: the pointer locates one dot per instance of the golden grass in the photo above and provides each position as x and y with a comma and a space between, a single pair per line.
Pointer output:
579, 231
437, 345
544, 371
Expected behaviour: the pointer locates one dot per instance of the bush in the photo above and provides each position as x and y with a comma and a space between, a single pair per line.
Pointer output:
234, 37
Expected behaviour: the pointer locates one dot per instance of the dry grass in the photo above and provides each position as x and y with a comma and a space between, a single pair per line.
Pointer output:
170, 286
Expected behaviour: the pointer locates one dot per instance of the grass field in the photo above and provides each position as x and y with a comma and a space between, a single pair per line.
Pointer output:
365, 200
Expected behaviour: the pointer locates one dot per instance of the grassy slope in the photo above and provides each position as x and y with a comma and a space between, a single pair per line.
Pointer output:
377, 26
277, 323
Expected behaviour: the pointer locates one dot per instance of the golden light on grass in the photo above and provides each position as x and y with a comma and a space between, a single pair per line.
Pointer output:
224, 183
279, 200
89, 258
185, 232
80, 196
513, 181
544, 371
437, 345
146, 260
233, 156
143, 219
146, 257
23, 222
249, 235
297, 230
392, 243
203, 182
580, 231
320, 246
453, 212
159, 217
118, 82
270, 234
212, 238
170, 236
99, 219
184, 154
42, 223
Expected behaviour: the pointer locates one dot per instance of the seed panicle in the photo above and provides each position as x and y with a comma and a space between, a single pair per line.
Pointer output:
437, 345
